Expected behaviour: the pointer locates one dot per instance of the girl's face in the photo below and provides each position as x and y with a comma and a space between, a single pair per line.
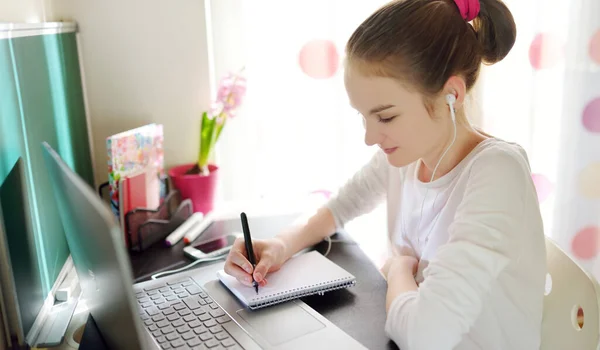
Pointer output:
396, 119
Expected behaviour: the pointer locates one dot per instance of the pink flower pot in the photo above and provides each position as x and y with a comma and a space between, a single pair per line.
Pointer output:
200, 189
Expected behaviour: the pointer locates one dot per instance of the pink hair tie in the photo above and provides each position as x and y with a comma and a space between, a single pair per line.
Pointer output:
469, 9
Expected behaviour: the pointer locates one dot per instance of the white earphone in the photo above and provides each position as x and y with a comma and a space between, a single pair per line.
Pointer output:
450, 100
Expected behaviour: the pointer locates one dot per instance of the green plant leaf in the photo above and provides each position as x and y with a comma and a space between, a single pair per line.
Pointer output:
219, 129
216, 131
207, 133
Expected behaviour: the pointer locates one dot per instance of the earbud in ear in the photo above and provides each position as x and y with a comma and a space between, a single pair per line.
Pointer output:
450, 100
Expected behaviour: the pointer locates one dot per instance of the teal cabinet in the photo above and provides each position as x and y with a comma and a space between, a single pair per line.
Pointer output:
41, 99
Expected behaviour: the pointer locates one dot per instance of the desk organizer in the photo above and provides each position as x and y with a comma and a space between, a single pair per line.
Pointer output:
145, 226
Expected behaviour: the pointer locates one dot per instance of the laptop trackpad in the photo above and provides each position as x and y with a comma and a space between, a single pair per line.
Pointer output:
281, 323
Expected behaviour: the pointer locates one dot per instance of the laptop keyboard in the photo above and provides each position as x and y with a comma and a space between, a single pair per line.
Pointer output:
180, 315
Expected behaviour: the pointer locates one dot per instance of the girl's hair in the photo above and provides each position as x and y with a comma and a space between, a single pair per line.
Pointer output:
425, 42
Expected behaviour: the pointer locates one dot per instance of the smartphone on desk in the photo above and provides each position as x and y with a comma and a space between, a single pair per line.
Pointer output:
211, 248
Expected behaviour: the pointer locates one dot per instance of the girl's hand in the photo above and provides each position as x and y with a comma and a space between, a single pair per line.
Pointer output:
270, 255
399, 272
400, 264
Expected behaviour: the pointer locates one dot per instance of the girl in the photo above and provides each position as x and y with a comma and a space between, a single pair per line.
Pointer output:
468, 265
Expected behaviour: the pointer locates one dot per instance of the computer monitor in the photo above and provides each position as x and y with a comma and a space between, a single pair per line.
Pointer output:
102, 264
21, 283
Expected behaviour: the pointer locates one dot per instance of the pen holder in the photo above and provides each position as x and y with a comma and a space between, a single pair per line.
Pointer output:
144, 227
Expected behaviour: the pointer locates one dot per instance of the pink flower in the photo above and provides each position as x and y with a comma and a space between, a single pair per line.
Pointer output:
229, 95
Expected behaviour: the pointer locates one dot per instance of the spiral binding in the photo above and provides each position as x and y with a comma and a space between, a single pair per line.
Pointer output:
296, 293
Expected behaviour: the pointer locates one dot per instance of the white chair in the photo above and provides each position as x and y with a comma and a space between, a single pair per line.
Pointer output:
572, 290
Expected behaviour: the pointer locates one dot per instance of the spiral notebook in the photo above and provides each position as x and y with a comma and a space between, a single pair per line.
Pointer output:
302, 275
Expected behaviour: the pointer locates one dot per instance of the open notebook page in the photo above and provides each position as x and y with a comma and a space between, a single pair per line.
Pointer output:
303, 274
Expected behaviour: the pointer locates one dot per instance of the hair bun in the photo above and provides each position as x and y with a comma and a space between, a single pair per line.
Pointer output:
496, 30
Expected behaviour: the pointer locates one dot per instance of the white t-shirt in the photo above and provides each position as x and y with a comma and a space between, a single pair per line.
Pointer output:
480, 244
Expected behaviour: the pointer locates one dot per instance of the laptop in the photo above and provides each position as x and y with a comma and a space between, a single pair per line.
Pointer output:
187, 310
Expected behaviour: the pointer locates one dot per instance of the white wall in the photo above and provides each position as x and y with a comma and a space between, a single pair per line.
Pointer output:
143, 62
31, 11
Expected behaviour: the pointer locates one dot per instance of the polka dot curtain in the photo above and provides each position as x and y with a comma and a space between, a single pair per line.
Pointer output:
546, 96
309, 138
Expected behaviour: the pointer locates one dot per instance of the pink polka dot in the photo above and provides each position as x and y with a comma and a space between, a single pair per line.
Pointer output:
591, 116
546, 51
595, 47
585, 243
543, 186
319, 59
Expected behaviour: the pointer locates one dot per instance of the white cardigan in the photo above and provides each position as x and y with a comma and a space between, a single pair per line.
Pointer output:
478, 234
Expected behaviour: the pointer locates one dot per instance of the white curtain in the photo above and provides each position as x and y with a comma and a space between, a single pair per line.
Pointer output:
297, 133
546, 96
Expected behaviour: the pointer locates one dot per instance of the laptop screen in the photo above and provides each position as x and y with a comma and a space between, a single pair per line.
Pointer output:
27, 292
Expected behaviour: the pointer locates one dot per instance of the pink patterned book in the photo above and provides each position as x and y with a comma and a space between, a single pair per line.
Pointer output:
131, 152
138, 190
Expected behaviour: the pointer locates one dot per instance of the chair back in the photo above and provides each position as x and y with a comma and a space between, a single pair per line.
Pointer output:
571, 312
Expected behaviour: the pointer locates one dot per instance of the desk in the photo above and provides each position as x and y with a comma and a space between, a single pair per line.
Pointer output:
359, 311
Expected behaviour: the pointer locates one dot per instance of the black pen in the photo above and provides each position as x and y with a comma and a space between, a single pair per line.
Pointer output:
249, 250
